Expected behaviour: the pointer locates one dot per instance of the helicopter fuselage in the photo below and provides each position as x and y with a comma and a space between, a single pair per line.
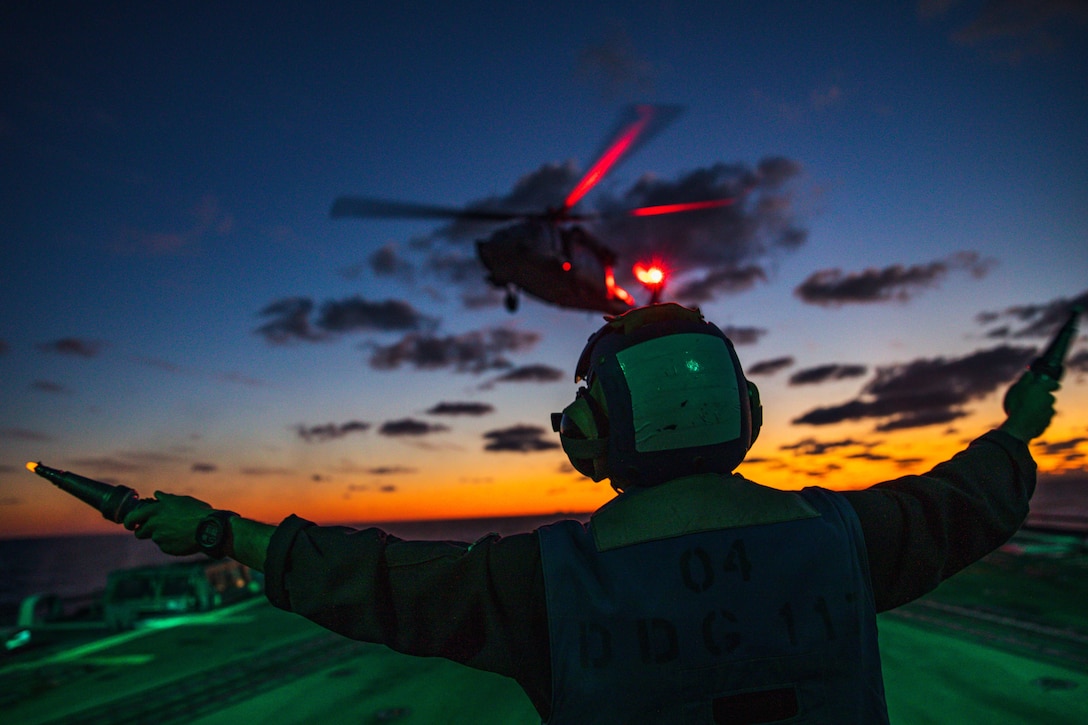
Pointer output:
564, 266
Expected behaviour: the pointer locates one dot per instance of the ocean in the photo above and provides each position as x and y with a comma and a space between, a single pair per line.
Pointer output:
75, 567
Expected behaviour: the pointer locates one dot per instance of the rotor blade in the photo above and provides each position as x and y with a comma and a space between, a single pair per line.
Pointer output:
354, 206
676, 208
637, 125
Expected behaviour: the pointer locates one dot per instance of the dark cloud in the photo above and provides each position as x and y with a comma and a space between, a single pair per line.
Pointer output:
474, 352
724, 280
1054, 448
530, 374
410, 427
291, 318
72, 346
926, 391
719, 246
469, 408
23, 434
711, 251
1078, 362
259, 471
833, 287
744, 335
387, 488
330, 431
355, 313
290, 321
390, 470
824, 373
614, 68
1034, 320
1009, 31
47, 386
769, 367
204, 468
519, 439
387, 261
3, 347
813, 447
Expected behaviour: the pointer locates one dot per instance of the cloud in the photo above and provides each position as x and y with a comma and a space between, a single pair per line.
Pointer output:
23, 434
711, 251
387, 261
72, 346
770, 367
529, 374
725, 280
355, 313
813, 447
3, 347
47, 386
1034, 320
744, 335
474, 352
824, 373
207, 219
519, 439
410, 427
469, 408
1054, 448
266, 471
720, 247
330, 431
204, 468
1009, 31
291, 318
833, 287
390, 470
613, 67
926, 391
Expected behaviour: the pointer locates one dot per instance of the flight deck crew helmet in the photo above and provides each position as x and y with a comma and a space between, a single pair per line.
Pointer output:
665, 397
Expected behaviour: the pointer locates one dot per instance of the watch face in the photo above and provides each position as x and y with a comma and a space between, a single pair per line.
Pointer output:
210, 532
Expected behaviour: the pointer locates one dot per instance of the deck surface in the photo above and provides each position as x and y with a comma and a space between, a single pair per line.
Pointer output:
1004, 642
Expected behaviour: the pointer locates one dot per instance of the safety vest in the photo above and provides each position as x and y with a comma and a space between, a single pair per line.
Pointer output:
712, 599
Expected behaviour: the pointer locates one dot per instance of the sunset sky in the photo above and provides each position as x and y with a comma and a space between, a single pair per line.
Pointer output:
181, 313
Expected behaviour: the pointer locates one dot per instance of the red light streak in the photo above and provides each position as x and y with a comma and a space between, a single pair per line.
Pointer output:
608, 158
615, 290
689, 206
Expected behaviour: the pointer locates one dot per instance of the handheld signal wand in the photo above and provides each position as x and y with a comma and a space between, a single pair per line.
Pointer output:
1051, 362
114, 502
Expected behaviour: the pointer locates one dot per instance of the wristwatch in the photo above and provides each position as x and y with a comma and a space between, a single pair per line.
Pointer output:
212, 533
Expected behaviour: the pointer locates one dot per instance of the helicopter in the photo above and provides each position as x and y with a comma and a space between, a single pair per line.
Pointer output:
549, 255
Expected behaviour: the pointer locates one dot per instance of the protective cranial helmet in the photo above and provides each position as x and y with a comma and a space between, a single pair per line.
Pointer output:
665, 397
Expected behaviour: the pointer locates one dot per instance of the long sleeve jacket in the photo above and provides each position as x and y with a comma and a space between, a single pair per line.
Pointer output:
484, 604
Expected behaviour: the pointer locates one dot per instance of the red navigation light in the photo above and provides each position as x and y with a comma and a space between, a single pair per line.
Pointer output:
652, 276
566, 266
674, 208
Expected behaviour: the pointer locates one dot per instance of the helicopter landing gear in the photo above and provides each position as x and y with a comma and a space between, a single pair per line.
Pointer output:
511, 299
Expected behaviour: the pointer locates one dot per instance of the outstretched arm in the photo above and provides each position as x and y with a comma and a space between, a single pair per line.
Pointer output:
920, 530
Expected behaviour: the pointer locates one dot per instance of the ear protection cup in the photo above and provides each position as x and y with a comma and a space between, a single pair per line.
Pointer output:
583, 433
756, 408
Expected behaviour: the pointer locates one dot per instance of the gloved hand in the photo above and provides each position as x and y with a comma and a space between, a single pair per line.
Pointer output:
1029, 404
170, 521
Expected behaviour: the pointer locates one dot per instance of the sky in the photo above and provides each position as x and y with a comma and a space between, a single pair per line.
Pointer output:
181, 313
